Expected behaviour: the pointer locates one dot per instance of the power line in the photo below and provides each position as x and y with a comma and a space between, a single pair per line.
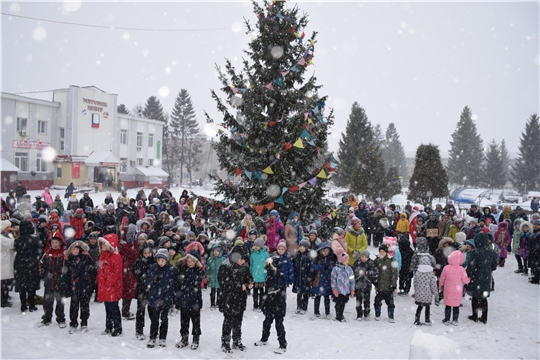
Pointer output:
114, 27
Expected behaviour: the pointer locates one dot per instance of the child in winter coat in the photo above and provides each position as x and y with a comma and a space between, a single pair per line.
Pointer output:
321, 268
256, 265
386, 283
342, 282
78, 281
275, 301
160, 280
286, 262
191, 274
516, 236
51, 268
405, 274
425, 282
452, 279
502, 239
402, 227
525, 233
140, 271
109, 280
212, 266
302, 277
365, 273
77, 221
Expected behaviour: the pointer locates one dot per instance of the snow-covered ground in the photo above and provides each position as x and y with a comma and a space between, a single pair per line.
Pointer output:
512, 330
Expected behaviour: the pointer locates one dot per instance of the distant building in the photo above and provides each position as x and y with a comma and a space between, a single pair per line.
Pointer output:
93, 143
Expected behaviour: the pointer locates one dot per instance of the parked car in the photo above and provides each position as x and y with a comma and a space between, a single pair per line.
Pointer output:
510, 196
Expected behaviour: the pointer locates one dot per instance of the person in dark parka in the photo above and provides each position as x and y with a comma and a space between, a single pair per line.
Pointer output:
28, 249
405, 275
302, 277
482, 262
234, 279
140, 270
275, 302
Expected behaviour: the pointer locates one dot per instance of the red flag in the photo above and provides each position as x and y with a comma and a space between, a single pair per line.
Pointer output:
259, 209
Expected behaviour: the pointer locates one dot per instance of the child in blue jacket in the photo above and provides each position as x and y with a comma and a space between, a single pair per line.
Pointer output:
161, 282
322, 268
286, 262
256, 265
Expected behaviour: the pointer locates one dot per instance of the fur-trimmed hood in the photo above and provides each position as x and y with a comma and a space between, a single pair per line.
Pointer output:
183, 261
194, 245
80, 243
110, 241
526, 223
445, 240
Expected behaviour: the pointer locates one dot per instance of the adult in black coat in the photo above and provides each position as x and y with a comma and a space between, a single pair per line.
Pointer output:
140, 270
28, 250
234, 279
86, 201
69, 190
20, 191
482, 262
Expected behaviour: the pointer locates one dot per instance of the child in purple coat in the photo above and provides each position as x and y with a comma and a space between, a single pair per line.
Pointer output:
452, 279
342, 283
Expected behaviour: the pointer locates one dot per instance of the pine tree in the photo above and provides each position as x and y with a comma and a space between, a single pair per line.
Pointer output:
122, 109
378, 136
526, 169
358, 133
429, 179
138, 110
466, 152
393, 152
493, 171
369, 178
505, 159
184, 130
393, 183
154, 110
270, 151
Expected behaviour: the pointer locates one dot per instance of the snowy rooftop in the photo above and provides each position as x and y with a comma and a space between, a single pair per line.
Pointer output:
151, 171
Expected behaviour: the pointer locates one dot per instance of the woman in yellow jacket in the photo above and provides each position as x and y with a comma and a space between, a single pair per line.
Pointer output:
356, 240
402, 227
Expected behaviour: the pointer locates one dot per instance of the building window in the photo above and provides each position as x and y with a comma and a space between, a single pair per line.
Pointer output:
140, 161
150, 162
41, 165
62, 133
124, 164
61, 147
22, 124
59, 172
123, 136
42, 127
150, 140
139, 139
21, 161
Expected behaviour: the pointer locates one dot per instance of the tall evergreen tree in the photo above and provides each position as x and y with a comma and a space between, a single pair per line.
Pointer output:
393, 182
393, 152
270, 153
358, 133
122, 109
493, 167
369, 177
378, 136
505, 159
429, 179
138, 110
184, 130
466, 152
526, 169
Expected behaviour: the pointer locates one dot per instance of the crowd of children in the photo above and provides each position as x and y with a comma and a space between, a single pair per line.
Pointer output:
164, 261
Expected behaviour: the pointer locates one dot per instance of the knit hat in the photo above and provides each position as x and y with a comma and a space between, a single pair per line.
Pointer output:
383, 247
304, 243
355, 220
343, 258
163, 254
274, 213
93, 235
79, 211
241, 242
253, 232
313, 232
259, 242
167, 227
460, 237
365, 253
163, 240
282, 244
110, 207
536, 222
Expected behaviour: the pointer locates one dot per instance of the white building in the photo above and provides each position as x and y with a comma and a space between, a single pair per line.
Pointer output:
93, 143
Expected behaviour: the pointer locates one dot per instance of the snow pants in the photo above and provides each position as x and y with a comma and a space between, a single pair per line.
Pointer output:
232, 323
185, 316
48, 304
280, 328
79, 302
318, 304
363, 296
159, 319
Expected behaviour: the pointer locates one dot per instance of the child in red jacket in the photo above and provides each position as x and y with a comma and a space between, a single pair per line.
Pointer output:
109, 279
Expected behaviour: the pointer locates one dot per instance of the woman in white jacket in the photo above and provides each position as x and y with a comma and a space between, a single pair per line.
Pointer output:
6, 261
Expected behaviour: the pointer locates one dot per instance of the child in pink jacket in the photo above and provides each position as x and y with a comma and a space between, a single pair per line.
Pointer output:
452, 279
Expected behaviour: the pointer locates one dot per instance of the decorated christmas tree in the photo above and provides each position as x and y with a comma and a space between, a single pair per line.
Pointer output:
275, 122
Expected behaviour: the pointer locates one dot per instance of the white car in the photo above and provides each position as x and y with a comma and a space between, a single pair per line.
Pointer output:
510, 197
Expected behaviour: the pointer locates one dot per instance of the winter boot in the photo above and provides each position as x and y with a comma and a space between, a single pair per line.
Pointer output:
391, 315
484, 307
183, 342
501, 262
162, 343
417, 315
195, 343
239, 346
366, 314
474, 316
377, 313
226, 348
151, 343
261, 343
428, 321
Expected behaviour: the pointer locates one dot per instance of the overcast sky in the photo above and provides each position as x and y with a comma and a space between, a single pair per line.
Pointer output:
414, 64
